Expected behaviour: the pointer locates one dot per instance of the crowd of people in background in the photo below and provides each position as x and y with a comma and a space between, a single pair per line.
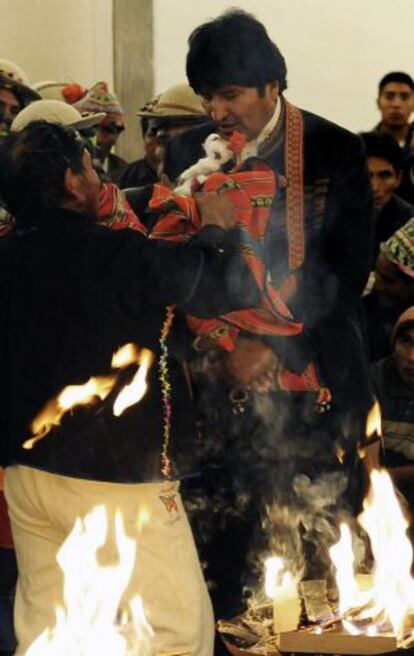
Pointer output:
333, 330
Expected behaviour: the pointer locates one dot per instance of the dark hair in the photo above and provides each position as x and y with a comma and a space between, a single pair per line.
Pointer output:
33, 163
233, 49
380, 144
396, 76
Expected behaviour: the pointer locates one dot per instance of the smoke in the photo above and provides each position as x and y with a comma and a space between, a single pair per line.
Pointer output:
273, 466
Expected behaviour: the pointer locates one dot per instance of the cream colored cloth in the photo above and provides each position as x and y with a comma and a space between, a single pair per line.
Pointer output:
43, 508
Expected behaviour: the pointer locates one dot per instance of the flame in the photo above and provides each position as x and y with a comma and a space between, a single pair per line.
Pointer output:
98, 387
70, 397
135, 390
88, 623
125, 355
374, 422
384, 521
343, 558
279, 582
389, 601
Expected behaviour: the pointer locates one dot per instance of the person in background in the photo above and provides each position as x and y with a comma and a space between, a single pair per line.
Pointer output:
393, 380
396, 103
392, 290
100, 100
385, 161
143, 171
15, 93
176, 110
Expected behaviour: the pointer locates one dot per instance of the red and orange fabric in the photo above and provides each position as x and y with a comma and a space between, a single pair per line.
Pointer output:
252, 191
114, 210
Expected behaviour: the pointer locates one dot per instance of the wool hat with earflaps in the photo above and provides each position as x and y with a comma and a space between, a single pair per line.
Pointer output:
54, 111
399, 248
12, 77
100, 100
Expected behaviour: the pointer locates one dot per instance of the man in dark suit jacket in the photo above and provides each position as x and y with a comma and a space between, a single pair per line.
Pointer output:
317, 252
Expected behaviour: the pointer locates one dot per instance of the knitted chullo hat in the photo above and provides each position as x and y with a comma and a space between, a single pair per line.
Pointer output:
404, 322
399, 249
100, 99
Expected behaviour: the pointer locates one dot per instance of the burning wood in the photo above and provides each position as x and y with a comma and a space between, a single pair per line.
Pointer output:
373, 613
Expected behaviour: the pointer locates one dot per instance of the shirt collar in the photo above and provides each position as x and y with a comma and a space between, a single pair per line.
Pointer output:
251, 148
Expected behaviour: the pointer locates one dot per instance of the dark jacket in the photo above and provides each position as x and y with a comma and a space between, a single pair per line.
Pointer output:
137, 174
339, 235
397, 412
339, 231
71, 293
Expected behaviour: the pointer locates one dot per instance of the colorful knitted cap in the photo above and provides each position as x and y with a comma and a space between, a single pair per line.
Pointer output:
405, 320
399, 249
100, 99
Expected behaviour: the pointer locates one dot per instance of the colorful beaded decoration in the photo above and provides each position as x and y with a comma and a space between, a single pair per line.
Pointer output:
165, 391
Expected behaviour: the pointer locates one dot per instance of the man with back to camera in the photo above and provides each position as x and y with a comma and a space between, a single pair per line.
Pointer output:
72, 293
317, 251
396, 103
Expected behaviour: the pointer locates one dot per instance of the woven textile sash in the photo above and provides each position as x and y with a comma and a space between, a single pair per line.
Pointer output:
294, 169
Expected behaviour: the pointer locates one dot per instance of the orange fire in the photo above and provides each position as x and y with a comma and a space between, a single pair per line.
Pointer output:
89, 624
96, 388
388, 603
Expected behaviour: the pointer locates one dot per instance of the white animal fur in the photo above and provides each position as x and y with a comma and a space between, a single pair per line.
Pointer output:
217, 153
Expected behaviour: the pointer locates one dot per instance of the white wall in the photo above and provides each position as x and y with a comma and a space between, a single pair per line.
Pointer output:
336, 50
59, 39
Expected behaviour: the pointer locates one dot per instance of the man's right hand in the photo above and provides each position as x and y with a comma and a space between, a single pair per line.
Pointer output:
252, 364
215, 209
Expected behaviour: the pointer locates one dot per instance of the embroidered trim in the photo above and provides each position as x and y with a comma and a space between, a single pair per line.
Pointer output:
165, 391
294, 168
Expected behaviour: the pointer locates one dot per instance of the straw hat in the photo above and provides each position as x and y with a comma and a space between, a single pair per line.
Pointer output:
178, 101
14, 78
54, 111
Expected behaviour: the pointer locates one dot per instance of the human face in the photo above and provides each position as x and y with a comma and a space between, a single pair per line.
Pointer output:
241, 109
9, 106
404, 356
107, 136
396, 102
165, 132
83, 188
391, 282
384, 180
